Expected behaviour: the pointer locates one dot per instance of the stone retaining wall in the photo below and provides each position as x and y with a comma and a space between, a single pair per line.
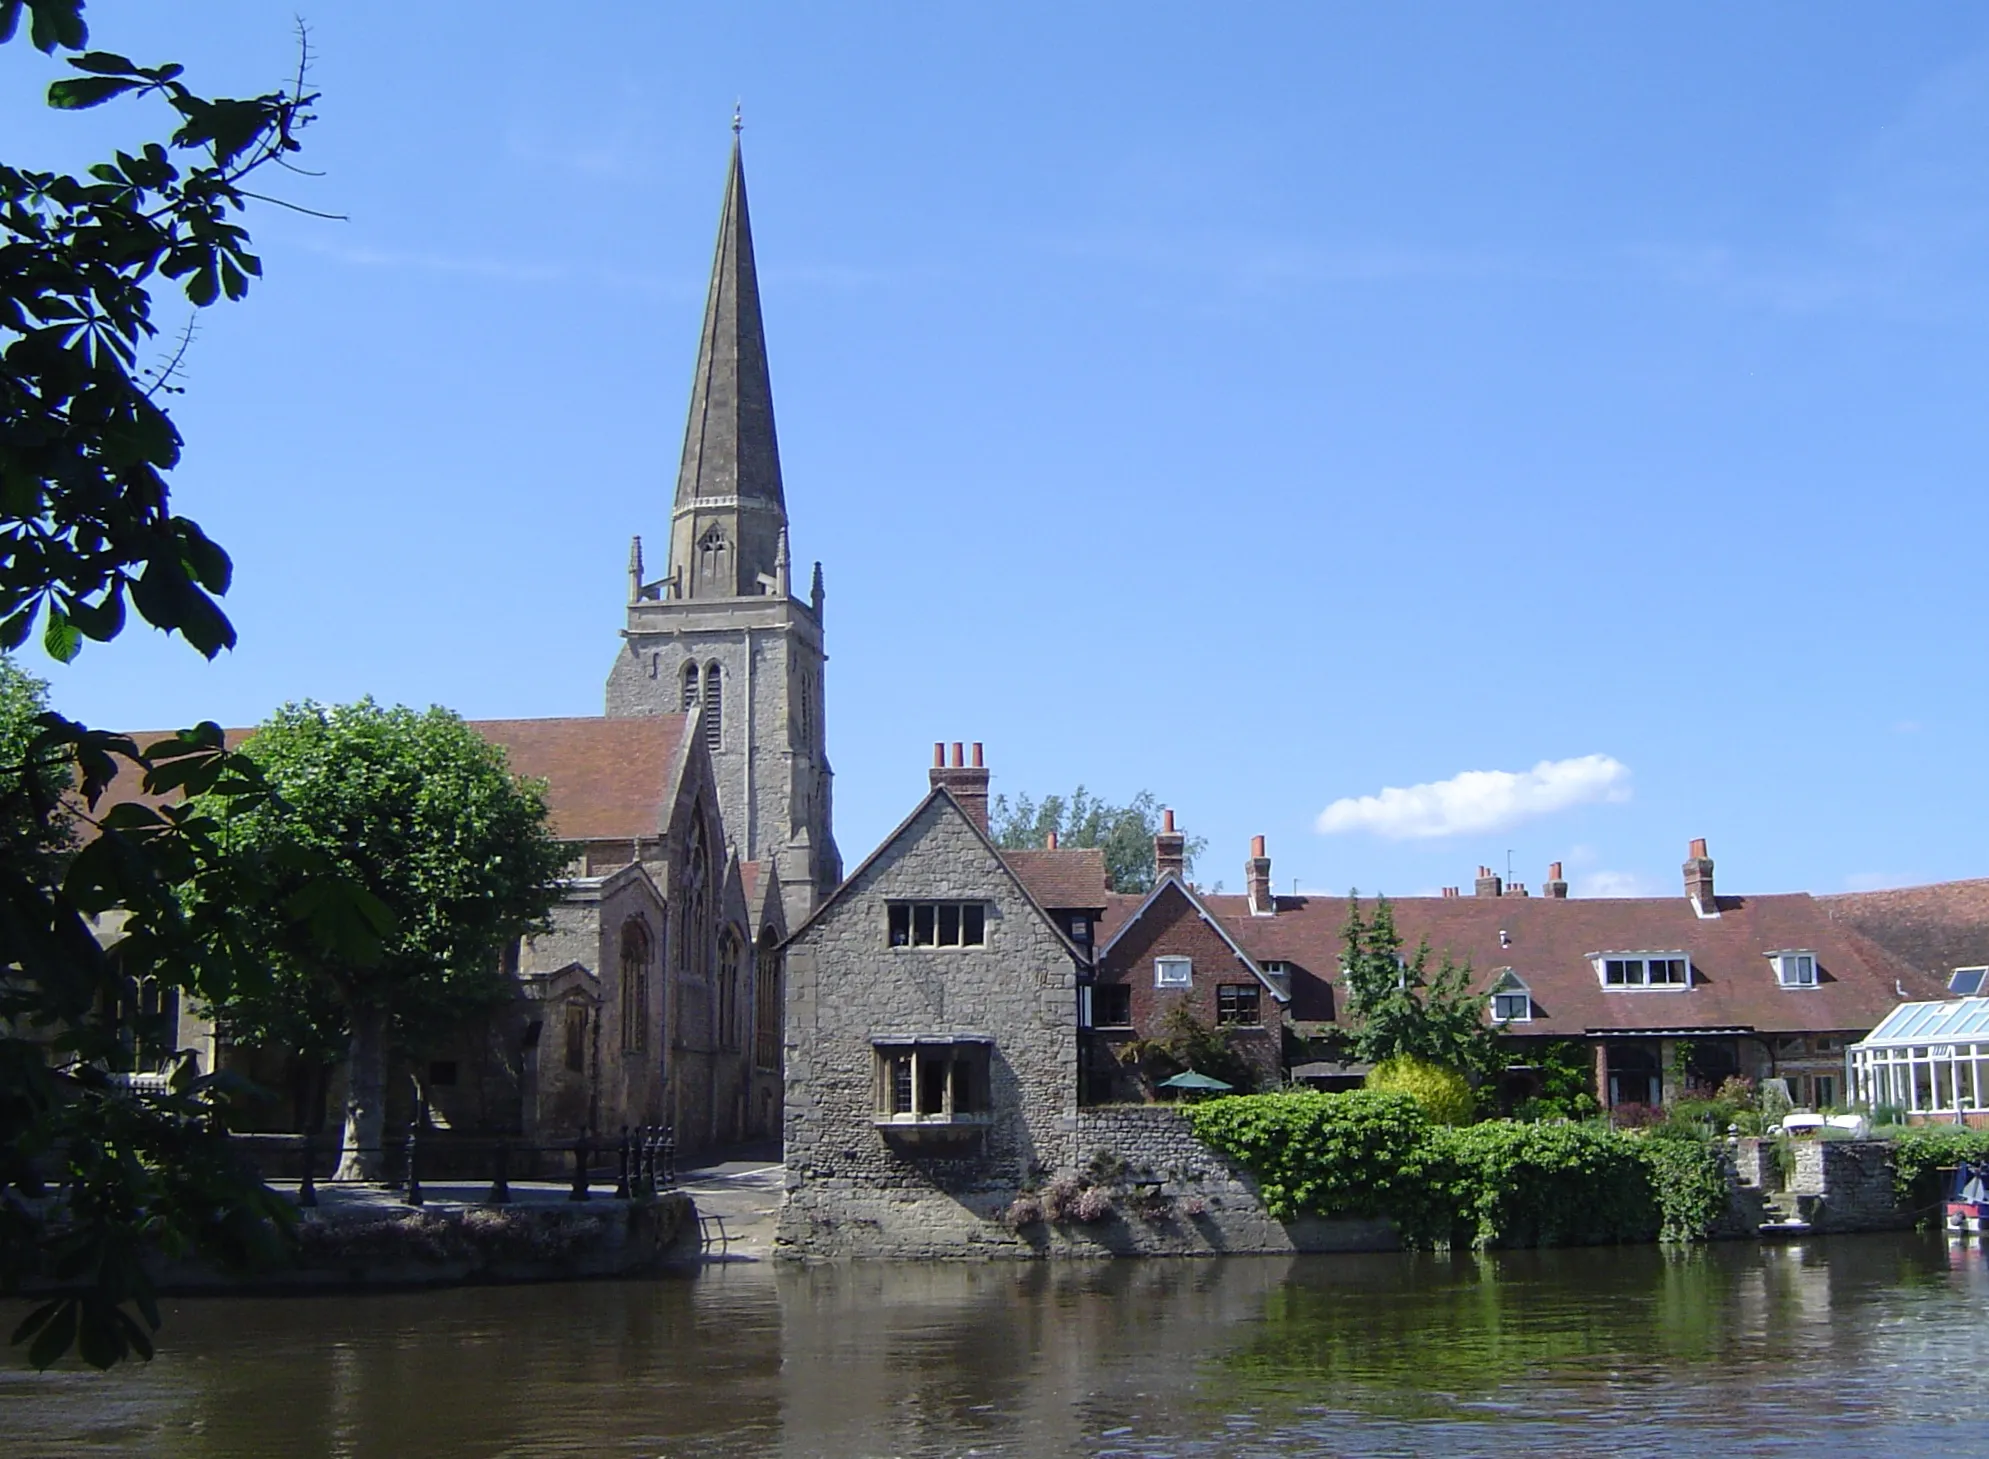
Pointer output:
380, 1245
1851, 1181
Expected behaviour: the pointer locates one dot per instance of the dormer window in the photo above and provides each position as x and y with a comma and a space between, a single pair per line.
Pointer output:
1080, 929
1794, 969
1173, 972
1641, 970
1512, 1000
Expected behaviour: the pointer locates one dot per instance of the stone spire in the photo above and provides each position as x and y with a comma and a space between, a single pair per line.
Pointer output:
730, 506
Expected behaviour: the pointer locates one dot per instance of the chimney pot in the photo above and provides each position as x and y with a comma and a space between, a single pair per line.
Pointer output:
1557, 886
1170, 850
1050, 841
1489, 884
968, 784
1256, 845
1699, 879
1554, 871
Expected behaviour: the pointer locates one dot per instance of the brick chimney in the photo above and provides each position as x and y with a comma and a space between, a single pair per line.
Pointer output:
1050, 841
1257, 877
1515, 889
1488, 883
1556, 886
968, 783
1699, 879
1170, 850
1450, 891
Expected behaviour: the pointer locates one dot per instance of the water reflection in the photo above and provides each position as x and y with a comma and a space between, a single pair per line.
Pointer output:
1857, 1344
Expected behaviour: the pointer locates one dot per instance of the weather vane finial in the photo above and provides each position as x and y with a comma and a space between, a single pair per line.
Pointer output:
738, 118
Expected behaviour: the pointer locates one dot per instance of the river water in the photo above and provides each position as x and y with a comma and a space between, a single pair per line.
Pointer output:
1854, 1345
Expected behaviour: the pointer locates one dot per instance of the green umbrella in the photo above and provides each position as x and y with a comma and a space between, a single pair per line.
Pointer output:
1192, 1080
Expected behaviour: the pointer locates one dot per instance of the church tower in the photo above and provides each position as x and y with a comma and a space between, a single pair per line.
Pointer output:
722, 628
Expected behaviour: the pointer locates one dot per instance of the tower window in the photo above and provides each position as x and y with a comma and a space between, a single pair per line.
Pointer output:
714, 698
690, 687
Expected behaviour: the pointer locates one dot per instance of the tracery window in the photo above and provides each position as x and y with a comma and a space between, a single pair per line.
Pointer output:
694, 938
690, 687
635, 959
766, 1004
728, 990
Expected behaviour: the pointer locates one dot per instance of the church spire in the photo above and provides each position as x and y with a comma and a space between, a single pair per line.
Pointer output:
729, 445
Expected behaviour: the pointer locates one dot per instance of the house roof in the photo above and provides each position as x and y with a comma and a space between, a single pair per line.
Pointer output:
1937, 928
606, 779
1550, 943
1068, 878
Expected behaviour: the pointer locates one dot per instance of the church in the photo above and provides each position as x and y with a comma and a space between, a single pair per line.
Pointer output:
697, 808
696, 811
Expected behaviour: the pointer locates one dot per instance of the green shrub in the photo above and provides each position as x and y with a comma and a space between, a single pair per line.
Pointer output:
1924, 1149
1501, 1183
1314, 1153
1444, 1094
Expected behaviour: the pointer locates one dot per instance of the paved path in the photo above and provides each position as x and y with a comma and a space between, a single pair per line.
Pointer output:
737, 1202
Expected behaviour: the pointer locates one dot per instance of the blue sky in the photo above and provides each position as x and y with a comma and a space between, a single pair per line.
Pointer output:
1266, 406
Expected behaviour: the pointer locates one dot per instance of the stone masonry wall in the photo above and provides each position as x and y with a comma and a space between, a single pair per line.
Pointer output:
854, 1189
1852, 1180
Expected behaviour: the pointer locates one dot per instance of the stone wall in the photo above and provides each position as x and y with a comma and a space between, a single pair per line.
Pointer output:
855, 1188
1852, 1183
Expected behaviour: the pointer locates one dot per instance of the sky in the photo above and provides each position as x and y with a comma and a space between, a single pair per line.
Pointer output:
1426, 435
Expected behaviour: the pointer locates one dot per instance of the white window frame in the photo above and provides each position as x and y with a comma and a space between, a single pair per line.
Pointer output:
1789, 963
1511, 985
1981, 983
1173, 972
1601, 960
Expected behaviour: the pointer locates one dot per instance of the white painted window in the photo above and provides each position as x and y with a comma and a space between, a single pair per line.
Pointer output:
1968, 982
1512, 1000
1173, 972
1632, 970
1795, 969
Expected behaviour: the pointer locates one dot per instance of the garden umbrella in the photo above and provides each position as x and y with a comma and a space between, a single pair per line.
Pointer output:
1192, 1080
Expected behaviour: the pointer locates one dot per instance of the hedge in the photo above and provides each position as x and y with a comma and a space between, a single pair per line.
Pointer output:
1499, 1183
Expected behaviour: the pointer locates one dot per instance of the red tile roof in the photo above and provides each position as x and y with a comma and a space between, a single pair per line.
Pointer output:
1550, 943
1069, 877
607, 779
1936, 928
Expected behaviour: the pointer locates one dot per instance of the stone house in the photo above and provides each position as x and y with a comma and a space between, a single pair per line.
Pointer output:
931, 1034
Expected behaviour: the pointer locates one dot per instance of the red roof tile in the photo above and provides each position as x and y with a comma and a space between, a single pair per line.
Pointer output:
1550, 943
607, 779
1936, 928
1069, 877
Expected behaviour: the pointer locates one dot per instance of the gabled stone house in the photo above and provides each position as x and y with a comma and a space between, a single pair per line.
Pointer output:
931, 1036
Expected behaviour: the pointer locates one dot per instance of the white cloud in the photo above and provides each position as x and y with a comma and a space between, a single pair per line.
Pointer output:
1614, 884
1878, 881
1479, 800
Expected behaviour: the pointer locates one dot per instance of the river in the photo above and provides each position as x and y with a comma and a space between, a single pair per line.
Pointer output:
1852, 1345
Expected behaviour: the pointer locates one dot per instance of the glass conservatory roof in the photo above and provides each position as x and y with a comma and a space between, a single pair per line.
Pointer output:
1919, 1023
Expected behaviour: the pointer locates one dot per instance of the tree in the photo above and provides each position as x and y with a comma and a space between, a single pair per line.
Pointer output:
1124, 833
94, 1175
423, 813
23, 700
1188, 1044
1400, 1007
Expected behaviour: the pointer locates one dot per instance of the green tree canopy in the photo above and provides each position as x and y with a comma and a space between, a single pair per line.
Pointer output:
95, 1174
423, 813
1123, 832
23, 700
1400, 1006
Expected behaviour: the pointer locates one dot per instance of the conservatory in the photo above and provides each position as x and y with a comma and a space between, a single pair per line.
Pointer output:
1926, 1058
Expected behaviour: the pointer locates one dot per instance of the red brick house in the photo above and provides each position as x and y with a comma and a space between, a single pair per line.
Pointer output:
1667, 994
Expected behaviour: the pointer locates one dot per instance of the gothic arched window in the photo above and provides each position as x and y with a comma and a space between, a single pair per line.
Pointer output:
766, 1003
690, 687
635, 958
728, 990
714, 705
694, 905
712, 548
